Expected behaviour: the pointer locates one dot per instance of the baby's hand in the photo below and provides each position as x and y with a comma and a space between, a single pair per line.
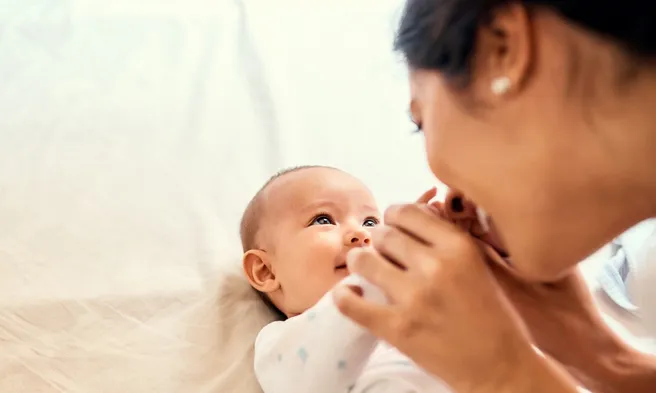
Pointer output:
427, 197
464, 213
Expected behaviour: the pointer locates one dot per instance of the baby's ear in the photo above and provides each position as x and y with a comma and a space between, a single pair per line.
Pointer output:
259, 272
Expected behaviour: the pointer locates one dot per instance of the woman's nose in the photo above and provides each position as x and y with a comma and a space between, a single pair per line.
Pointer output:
359, 238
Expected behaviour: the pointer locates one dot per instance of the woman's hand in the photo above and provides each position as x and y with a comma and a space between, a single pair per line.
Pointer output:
561, 316
446, 310
565, 324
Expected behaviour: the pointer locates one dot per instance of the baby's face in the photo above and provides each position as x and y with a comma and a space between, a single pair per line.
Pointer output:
314, 217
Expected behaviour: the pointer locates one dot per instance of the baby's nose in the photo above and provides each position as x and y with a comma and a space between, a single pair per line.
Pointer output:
359, 238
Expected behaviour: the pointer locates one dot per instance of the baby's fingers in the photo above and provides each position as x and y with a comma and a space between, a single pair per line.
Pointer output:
427, 196
437, 207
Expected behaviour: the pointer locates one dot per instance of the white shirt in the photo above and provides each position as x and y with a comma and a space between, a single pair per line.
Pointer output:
627, 286
321, 351
643, 282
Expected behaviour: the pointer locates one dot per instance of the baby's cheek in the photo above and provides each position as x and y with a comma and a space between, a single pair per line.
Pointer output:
316, 260
317, 285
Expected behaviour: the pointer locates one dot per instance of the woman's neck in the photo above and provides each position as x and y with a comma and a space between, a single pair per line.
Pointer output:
629, 131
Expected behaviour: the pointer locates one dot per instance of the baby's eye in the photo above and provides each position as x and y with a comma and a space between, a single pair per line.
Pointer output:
322, 219
370, 222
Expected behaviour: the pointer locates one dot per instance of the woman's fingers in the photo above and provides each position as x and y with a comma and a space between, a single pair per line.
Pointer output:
496, 260
463, 213
440, 304
401, 247
421, 222
371, 316
373, 267
493, 238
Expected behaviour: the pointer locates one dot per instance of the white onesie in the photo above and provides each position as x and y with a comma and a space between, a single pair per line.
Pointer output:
321, 351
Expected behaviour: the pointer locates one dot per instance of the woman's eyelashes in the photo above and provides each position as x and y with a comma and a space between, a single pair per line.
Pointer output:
416, 122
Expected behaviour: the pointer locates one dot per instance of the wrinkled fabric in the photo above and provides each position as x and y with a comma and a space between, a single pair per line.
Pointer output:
132, 135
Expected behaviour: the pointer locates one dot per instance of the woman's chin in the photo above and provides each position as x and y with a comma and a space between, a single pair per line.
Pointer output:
539, 255
541, 272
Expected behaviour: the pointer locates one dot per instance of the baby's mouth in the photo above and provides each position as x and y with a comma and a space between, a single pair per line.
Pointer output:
341, 267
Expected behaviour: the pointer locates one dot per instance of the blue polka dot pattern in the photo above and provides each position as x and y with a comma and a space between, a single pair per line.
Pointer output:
302, 354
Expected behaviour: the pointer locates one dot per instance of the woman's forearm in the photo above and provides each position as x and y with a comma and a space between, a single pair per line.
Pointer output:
527, 372
605, 363
540, 374
595, 355
625, 371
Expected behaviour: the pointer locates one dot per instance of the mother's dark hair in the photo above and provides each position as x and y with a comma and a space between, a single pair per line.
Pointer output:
440, 35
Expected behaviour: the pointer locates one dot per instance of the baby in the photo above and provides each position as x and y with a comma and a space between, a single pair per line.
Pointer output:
296, 233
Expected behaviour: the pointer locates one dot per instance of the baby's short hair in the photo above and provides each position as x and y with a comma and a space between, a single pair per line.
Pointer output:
252, 218
251, 222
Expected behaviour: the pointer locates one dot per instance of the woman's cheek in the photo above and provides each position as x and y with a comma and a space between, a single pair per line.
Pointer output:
440, 161
443, 148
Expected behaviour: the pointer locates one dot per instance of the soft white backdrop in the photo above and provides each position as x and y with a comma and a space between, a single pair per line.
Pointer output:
132, 134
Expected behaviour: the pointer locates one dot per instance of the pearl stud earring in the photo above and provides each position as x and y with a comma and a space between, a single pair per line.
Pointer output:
501, 85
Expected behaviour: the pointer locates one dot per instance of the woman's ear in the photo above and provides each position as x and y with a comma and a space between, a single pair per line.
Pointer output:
259, 271
504, 52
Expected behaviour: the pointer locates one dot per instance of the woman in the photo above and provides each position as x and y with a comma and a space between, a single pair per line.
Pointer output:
543, 112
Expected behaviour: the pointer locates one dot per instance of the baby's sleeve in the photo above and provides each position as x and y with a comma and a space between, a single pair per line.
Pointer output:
319, 351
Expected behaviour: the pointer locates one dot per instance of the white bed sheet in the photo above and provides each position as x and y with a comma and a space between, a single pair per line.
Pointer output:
132, 134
